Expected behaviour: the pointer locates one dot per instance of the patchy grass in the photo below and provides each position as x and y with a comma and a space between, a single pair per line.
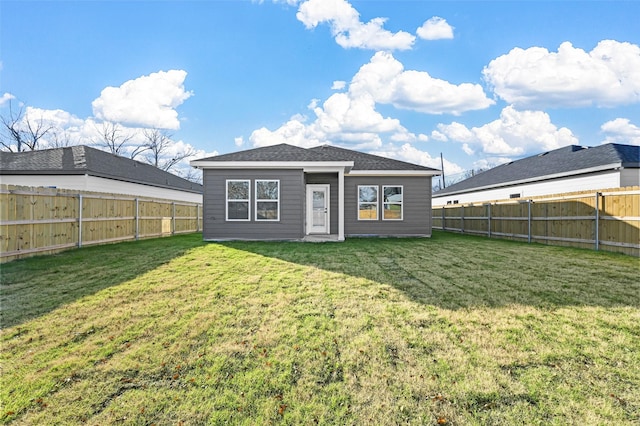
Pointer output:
448, 330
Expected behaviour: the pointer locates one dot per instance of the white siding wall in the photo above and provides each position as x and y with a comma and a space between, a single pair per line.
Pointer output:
610, 179
97, 184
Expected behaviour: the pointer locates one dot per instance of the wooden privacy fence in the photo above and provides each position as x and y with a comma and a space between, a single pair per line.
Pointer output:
44, 220
605, 220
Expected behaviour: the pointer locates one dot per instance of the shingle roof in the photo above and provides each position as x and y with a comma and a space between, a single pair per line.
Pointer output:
281, 152
80, 160
286, 153
563, 160
364, 161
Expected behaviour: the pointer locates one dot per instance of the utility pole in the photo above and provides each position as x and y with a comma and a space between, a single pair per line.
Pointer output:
442, 175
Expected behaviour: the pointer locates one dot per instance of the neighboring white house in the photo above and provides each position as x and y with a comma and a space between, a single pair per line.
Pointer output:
569, 169
84, 168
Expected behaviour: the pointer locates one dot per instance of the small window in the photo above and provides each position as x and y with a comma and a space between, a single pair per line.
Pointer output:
238, 199
367, 202
267, 200
514, 195
392, 203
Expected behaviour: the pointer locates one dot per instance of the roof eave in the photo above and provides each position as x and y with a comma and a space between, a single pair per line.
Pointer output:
395, 173
98, 175
304, 165
44, 172
596, 169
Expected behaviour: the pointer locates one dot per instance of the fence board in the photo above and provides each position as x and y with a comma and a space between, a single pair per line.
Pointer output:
561, 219
48, 220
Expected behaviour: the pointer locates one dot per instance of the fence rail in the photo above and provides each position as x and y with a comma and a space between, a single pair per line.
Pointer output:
603, 220
47, 220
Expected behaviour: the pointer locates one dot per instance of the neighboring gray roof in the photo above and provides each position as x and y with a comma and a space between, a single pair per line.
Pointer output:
572, 158
80, 160
284, 152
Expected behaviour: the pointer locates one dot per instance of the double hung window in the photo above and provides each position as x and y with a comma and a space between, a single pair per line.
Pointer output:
367, 202
392, 203
267, 200
238, 199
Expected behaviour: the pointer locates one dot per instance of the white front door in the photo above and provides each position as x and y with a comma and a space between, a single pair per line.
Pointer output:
317, 209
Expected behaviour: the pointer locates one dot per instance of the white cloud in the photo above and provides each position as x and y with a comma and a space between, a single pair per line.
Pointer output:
342, 112
341, 119
454, 131
287, 2
607, 76
515, 133
338, 85
622, 131
6, 97
435, 28
350, 118
53, 117
467, 149
293, 132
239, 141
147, 101
411, 154
347, 28
385, 79
490, 162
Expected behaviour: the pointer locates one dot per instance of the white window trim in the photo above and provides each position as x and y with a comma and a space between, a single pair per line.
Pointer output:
377, 203
257, 200
388, 202
248, 200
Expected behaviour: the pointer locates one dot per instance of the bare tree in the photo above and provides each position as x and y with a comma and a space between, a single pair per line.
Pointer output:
158, 143
114, 138
21, 132
61, 138
191, 174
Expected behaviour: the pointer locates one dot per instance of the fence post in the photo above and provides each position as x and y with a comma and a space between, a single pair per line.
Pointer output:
79, 220
489, 217
444, 228
529, 221
597, 247
462, 218
173, 219
137, 219
197, 217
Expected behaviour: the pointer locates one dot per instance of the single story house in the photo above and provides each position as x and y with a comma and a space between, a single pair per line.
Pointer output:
84, 168
568, 169
284, 192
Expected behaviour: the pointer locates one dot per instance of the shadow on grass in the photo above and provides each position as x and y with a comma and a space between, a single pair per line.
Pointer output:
451, 271
456, 271
35, 286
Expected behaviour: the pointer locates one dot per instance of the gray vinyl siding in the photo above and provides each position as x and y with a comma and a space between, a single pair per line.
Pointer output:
629, 176
416, 207
292, 201
332, 180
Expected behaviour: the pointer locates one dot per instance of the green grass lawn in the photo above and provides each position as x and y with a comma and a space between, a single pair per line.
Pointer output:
449, 330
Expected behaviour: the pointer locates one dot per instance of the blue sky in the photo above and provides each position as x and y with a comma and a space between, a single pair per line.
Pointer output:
482, 82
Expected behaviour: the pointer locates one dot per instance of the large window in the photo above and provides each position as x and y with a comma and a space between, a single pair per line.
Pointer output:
267, 199
238, 199
392, 203
367, 202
